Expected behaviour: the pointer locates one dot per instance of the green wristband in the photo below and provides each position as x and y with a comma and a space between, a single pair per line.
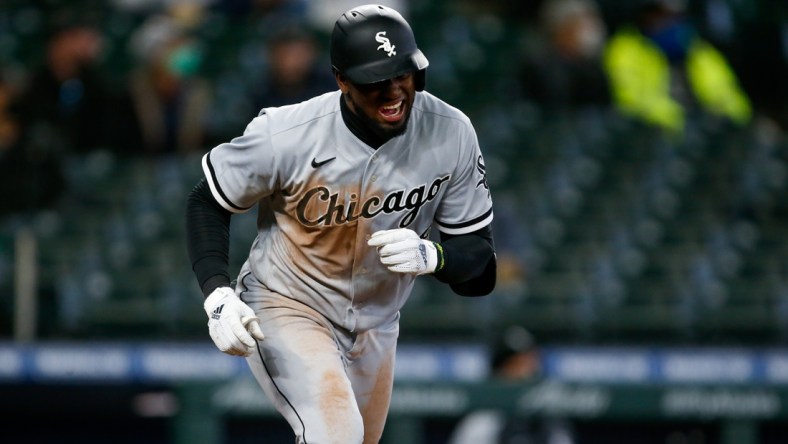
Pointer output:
438, 247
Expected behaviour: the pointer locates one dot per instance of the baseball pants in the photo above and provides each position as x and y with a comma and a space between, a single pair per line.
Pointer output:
332, 386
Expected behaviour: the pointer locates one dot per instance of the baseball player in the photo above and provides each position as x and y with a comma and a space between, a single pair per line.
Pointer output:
347, 186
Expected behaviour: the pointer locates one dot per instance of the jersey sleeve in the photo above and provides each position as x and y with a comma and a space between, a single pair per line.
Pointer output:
467, 205
242, 171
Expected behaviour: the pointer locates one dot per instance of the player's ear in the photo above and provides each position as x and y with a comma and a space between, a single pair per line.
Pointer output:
342, 81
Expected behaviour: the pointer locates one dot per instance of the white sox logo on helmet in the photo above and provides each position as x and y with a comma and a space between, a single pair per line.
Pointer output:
337, 213
385, 43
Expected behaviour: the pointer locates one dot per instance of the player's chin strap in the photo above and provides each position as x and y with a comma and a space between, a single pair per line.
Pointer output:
403, 251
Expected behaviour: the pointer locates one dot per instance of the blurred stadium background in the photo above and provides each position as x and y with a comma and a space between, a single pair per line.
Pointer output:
652, 272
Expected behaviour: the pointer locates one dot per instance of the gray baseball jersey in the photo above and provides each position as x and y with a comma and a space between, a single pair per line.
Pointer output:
327, 306
322, 192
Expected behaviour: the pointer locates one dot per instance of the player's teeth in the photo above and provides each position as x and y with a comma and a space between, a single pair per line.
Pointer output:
393, 107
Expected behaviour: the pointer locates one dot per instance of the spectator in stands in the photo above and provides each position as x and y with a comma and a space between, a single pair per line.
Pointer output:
9, 136
295, 70
322, 15
662, 71
564, 69
515, 359
65, 108
9, 127
65, 101
171, 100
260, 8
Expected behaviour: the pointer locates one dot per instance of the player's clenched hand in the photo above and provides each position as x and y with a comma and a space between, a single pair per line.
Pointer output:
403, 251
232, 323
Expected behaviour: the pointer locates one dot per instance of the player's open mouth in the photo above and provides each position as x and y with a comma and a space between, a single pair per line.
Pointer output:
392, 113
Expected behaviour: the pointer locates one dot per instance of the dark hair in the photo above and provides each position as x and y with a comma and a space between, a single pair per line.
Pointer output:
68, 19
291, 32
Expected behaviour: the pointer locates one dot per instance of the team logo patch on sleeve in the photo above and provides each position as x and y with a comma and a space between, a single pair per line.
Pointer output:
483, 172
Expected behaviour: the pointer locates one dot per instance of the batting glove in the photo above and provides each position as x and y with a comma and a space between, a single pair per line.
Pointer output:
232, 324
403, 251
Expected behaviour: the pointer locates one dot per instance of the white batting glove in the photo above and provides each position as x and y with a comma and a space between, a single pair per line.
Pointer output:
403, 251
232, 324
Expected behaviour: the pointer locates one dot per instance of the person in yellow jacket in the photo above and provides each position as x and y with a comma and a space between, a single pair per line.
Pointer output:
659, 67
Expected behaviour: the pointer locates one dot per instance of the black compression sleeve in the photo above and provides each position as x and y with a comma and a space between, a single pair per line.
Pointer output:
469, 262
207, 238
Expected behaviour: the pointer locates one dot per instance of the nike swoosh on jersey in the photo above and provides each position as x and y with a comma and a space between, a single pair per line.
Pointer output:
316, 164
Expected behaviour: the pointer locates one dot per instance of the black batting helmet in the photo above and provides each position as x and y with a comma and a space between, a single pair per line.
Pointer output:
372, 43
